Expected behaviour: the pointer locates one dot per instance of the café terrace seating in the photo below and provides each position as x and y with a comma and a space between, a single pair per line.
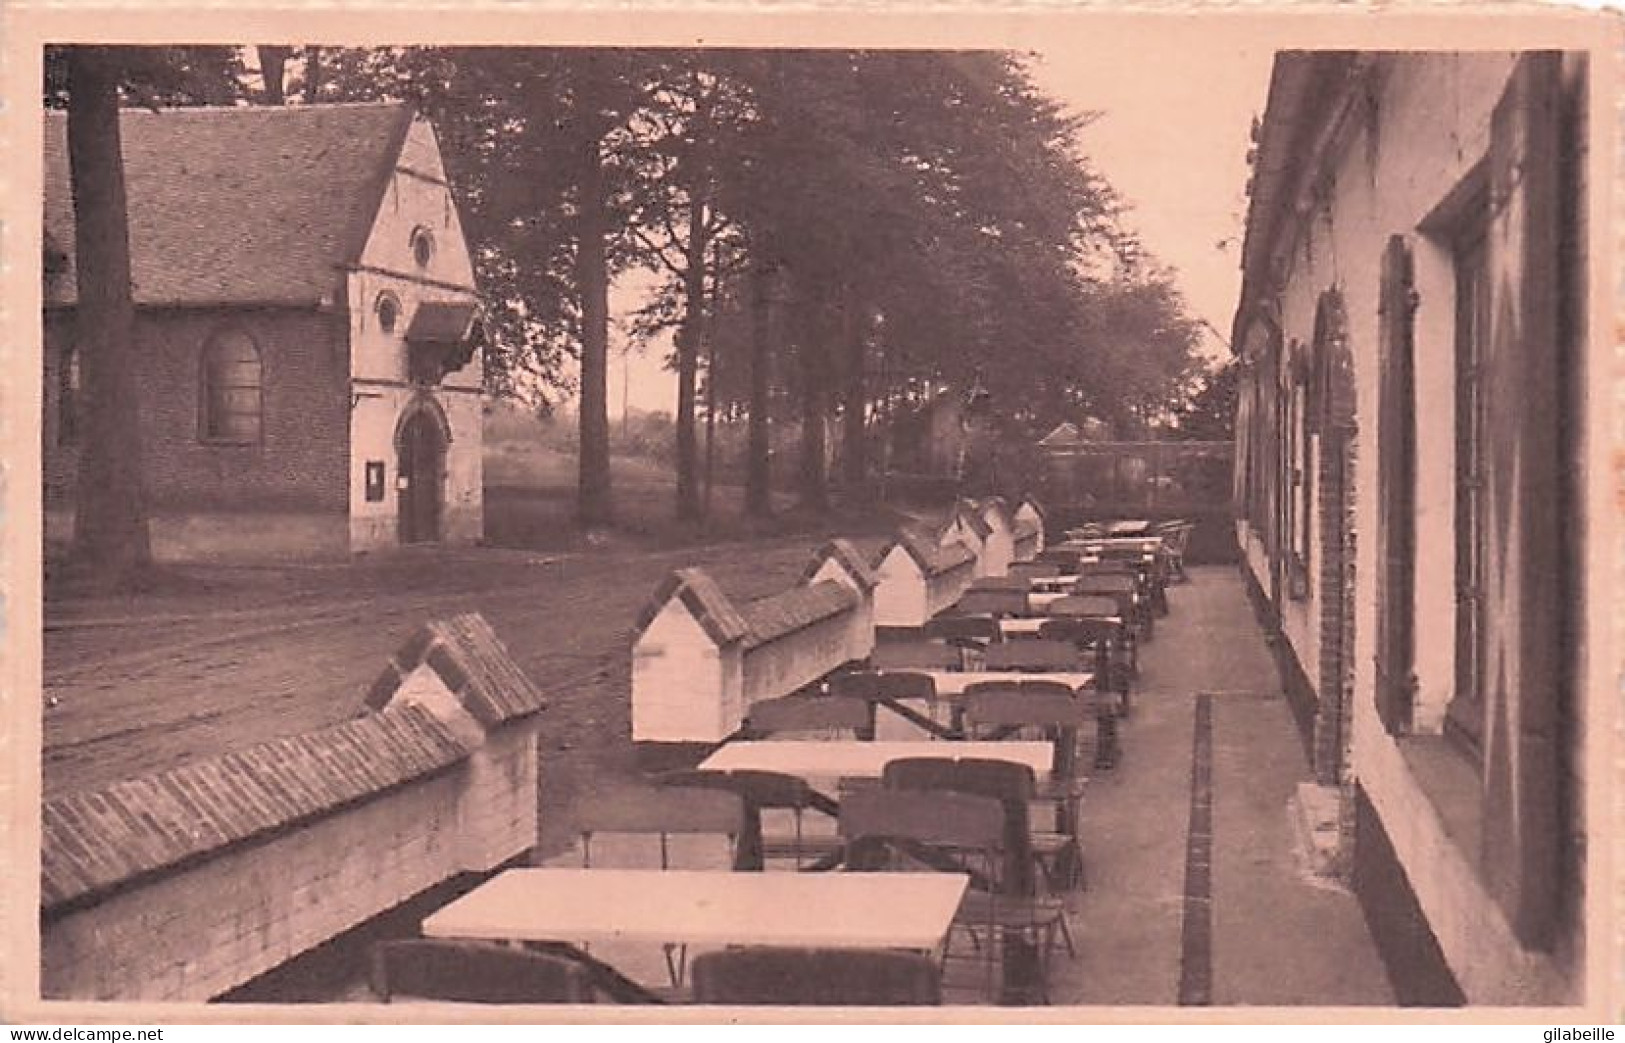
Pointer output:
965, 825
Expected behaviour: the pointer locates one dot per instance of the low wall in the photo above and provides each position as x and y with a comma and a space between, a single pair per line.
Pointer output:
916, 579
181, 885
699, 661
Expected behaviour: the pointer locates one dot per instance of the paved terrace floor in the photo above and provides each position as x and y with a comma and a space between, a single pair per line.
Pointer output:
1279, 935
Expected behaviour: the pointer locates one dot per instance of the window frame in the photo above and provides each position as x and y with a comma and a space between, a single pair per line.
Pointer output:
207, 389
1468, 244
421, 235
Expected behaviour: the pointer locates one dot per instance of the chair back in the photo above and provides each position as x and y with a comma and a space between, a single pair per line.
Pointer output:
1110, 565
1023, 709
1035, 569
474, 972
664, 812
915, 655
981, 629
763, 789
1087, 605
1065, 559
760, 791
907, 684
938, 816
816, 977
1010, 783
1035, 655
1081, 631
1107, 583
992, 603
808, 713
999, 583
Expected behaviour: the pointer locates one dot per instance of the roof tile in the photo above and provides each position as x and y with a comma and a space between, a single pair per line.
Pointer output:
297, 187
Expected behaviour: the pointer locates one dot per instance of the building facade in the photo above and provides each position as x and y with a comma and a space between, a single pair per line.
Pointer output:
1410, 499
306, 322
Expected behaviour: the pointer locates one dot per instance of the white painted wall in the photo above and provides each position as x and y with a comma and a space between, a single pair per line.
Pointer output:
900, 596
1435, 127
415, 196
684, 688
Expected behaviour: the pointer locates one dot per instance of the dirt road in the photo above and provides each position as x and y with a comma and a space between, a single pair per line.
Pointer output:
158, 683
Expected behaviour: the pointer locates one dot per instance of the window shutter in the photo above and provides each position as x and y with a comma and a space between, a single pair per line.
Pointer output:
1523, 589
1396, 484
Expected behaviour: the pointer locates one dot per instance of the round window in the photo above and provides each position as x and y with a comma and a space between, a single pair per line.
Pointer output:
389, 311
422, 246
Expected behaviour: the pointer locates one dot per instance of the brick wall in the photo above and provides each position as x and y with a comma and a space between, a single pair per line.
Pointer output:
299, 465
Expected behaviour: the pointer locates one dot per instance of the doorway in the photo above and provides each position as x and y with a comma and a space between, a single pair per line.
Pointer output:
421, 449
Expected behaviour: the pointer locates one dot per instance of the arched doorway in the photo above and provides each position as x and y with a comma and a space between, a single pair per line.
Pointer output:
420, 447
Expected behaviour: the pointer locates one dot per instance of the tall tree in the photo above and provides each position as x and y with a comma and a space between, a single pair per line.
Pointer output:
110, 517
110, 509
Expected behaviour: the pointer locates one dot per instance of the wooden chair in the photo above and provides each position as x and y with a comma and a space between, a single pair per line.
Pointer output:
995, 603
474, 972
896, 687
1035, 569
894, 828
916, 655
1065, 559
1103, 639
820, 716
768, 791
1033, 656
974, 632
1057, 717
816, 977
1010, 902
1128, 590
666, 813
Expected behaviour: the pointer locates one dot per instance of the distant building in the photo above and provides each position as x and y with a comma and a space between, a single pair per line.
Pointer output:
1411, 421
305, 318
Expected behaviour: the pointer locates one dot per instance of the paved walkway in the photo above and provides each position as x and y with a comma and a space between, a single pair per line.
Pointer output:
1278, 935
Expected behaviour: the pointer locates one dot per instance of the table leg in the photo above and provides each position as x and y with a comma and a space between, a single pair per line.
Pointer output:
605, 979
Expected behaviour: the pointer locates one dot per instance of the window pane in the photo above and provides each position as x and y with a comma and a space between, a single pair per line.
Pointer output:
232, 388
243, 427
237, 400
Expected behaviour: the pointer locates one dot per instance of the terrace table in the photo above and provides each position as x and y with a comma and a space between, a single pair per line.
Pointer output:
1027, 626
952, 683
707, 907
1128, 527
569, 908
813, 759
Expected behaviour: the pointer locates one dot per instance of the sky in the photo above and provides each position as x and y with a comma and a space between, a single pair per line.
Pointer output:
1171, 138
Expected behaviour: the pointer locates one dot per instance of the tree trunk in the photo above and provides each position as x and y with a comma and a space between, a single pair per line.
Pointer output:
593, 501
814, 477
110, 521
711, 386
273, 63
313, 74
758, 470
855, 401
689, 341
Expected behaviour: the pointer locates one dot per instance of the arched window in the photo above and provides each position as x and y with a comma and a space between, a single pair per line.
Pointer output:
389, 311
422, 246
231, 388
69, 398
